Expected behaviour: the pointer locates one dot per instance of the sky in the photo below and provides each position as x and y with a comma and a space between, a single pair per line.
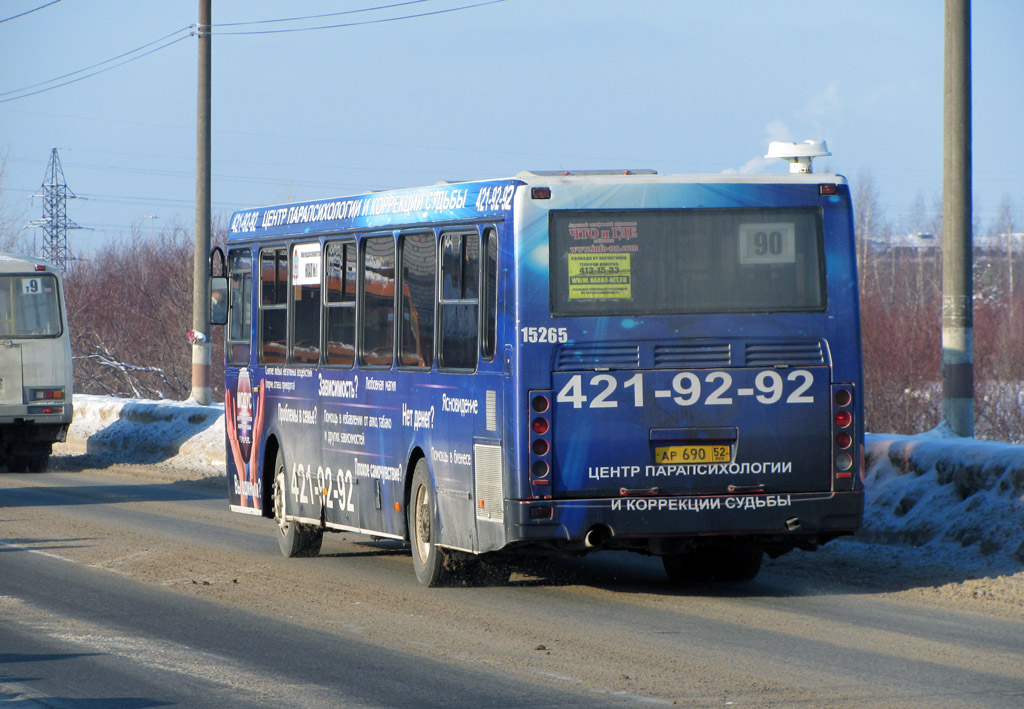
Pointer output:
434, 90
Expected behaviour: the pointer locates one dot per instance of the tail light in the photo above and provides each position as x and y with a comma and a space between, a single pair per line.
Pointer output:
44, 394
540, 443
844, 452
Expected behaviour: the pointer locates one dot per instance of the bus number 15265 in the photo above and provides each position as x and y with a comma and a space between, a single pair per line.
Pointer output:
545, 334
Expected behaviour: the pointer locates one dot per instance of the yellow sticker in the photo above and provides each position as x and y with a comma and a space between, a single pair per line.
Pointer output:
600, 276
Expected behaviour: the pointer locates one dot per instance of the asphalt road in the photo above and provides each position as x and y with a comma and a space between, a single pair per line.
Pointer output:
122, 588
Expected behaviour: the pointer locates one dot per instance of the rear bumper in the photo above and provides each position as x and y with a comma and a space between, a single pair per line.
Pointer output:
15, 432
625, 520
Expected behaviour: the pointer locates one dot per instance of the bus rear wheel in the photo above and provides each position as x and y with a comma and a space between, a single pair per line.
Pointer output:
294, 539
728, 563
17, 464
740, 562
431, 564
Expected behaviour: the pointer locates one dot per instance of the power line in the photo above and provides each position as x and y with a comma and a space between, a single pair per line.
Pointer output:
29, 12
317, 17
191, 31
100, 71
363, 22
93, 66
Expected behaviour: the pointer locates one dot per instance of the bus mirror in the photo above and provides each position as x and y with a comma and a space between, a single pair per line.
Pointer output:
218, 300
217, 254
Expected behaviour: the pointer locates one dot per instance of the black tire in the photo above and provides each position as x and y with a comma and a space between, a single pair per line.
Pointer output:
294, 539
740, 562
689, 567
17, 463
431, 563
39, 463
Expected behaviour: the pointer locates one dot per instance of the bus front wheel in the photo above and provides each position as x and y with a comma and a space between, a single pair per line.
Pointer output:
428, 560
294, 539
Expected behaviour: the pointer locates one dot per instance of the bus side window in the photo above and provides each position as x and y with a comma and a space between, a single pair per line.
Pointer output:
490, 324
239, 330
377, 327
419, 274
273, 305
460, 276
340, 304
305, 320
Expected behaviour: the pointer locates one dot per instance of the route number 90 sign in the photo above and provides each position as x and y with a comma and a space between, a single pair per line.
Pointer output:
767, 243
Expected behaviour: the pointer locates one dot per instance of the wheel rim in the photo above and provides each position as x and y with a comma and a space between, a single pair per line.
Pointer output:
421, 523
282, 524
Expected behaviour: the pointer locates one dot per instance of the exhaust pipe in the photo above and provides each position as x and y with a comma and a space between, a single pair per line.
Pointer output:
596, 536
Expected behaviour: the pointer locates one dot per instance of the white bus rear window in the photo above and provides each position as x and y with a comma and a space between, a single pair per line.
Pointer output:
29, 306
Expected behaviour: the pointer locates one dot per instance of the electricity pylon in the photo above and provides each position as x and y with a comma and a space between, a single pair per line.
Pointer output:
55, 223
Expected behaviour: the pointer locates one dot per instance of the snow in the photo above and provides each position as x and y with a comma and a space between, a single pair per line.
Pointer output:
962, 500
957, 502
182, 435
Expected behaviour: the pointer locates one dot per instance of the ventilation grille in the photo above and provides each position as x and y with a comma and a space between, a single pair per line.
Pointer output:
492, 410
490, 494
788, 352
693, 355
594, 356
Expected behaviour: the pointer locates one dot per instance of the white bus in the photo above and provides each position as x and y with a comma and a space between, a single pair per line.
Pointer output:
35, 363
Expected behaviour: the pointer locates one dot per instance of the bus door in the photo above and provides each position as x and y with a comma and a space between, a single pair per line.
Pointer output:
241, 393
471, 462
10, 373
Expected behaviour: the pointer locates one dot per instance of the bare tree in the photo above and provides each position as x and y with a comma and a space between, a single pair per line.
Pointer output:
129, 308
12, 235
1004, 233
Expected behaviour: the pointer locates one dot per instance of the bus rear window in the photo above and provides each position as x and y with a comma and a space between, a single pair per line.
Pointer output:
654, 262
29, 306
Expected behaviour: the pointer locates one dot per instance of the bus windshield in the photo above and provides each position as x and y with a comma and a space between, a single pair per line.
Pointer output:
29, 306
658, 261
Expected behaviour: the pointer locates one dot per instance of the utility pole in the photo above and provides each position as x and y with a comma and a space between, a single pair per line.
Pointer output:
201, 262
957, 251
55, 223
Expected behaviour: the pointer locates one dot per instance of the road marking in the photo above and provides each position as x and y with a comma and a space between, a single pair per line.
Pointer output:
32, 550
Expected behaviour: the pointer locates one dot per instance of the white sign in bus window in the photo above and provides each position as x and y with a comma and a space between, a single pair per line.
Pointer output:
767, 243
31, 286
306, 264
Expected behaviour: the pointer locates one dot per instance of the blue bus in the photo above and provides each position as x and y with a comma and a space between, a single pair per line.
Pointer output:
559, 362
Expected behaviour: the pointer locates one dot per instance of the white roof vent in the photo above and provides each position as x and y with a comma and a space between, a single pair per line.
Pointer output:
798, 155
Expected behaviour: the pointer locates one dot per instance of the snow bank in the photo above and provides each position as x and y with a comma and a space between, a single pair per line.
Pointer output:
182, 435
959, 500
